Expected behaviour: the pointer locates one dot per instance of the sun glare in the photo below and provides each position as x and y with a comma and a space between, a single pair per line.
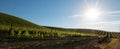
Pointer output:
92, 14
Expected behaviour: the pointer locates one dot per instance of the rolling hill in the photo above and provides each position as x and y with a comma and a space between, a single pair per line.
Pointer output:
14, 26
19, 33
8, 20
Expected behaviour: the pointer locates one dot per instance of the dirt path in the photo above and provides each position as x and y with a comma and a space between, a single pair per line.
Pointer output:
118, 45
114, 44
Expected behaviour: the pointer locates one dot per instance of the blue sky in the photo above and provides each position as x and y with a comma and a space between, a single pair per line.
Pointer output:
62, 13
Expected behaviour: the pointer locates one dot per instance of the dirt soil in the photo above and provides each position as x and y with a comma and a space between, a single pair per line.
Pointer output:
61, 44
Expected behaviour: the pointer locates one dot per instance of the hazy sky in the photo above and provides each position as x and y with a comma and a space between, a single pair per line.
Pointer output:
65, 13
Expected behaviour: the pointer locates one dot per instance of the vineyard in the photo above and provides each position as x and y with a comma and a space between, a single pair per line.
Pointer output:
19, 33
16, 29
47, 33
108, 34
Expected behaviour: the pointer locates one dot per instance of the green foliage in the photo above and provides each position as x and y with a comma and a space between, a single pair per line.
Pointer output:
26, 34
42, 36
12, 33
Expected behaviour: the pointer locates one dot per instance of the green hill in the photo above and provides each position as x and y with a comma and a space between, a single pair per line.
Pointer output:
8, 21
15, 27
12, 26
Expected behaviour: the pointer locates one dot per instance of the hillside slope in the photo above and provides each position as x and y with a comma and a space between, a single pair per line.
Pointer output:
16, 25
12, 27
6, 21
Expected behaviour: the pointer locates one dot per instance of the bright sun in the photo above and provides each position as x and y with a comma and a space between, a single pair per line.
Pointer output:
92, 14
